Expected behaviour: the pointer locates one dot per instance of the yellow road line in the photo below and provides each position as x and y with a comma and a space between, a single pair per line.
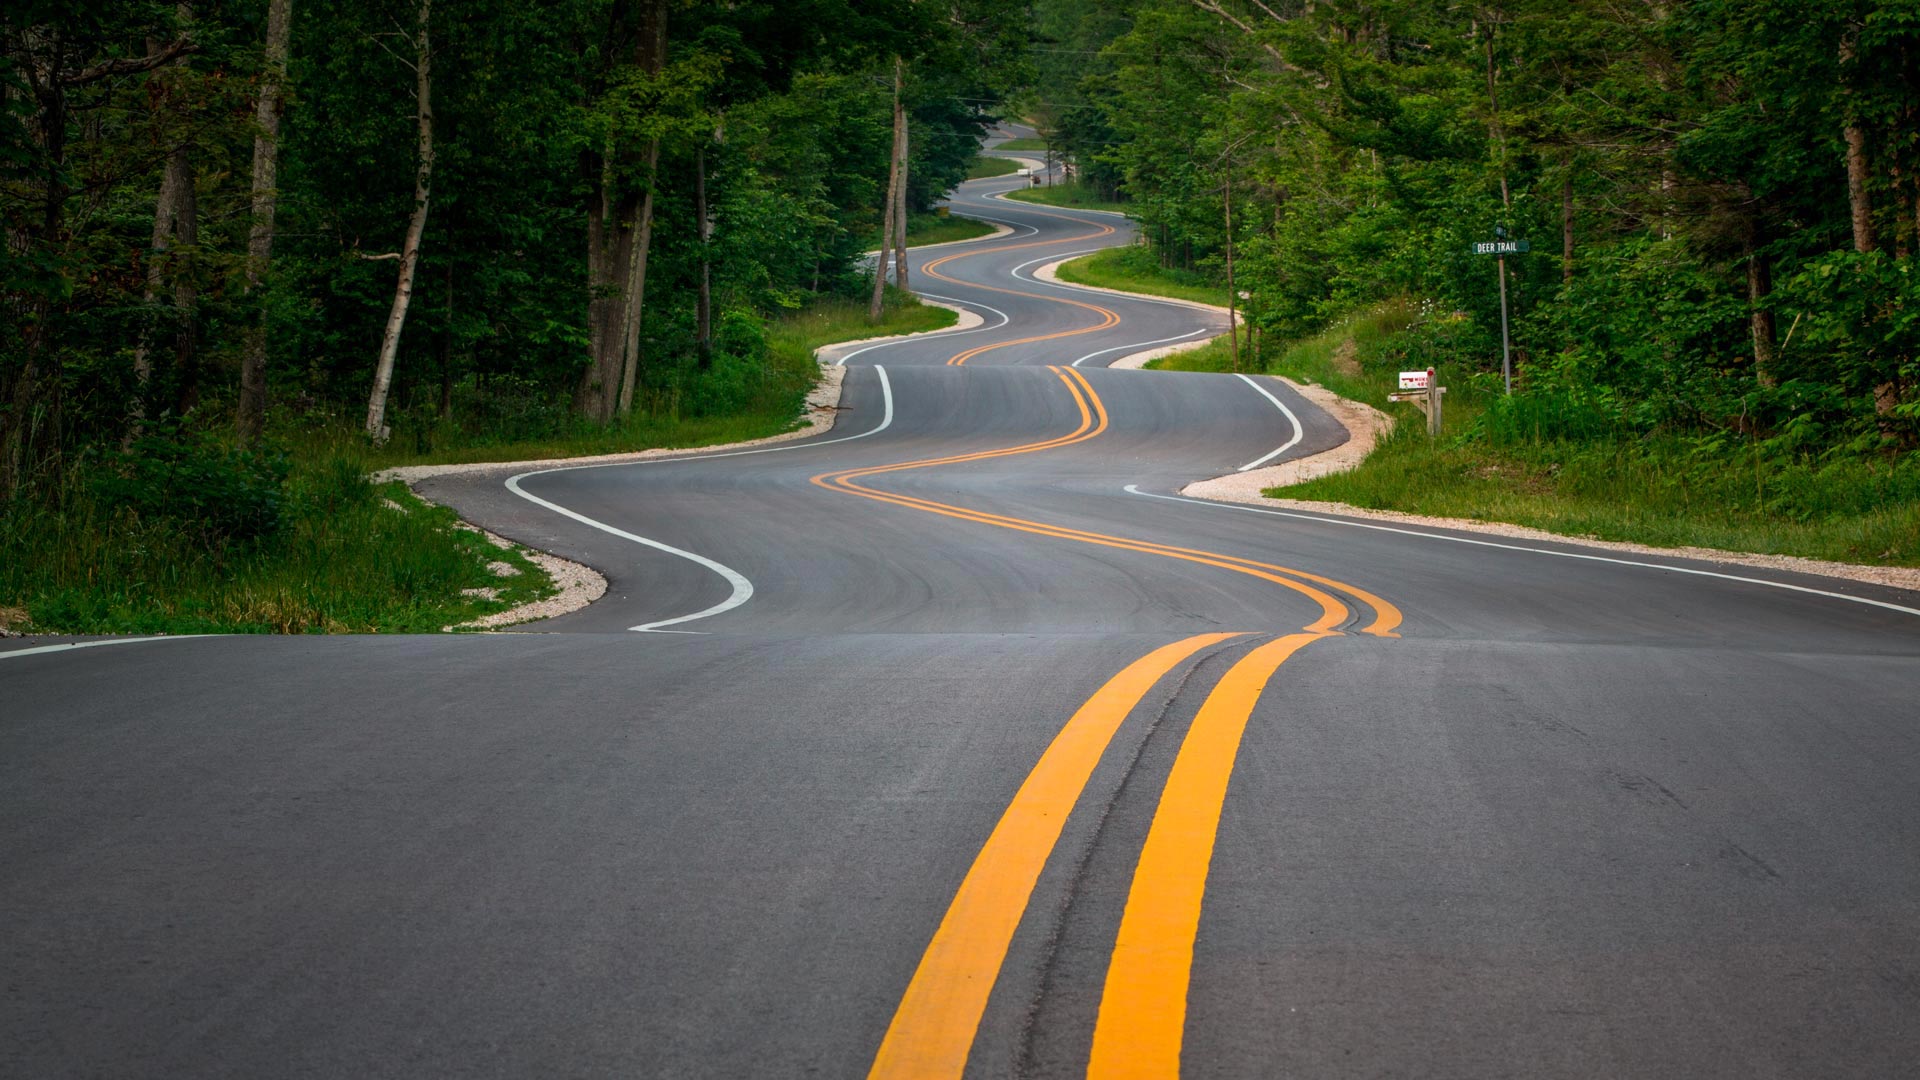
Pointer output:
933, 1028
1143, 1010
1387, 617
1108, 316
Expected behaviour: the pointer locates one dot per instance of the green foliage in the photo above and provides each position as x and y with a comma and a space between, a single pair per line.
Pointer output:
347, 557
196, 484
1136, 269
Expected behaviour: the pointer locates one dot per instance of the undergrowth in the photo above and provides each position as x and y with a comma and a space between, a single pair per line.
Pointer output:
334, 554
1555, 459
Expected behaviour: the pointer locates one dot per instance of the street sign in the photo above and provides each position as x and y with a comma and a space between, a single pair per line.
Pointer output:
1502, 247
1416, 380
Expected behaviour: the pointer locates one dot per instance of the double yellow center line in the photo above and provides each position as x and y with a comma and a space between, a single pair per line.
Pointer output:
1108, 317
1093, 421
1143, 1005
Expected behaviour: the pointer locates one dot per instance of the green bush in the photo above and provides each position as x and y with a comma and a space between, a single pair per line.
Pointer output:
218, 494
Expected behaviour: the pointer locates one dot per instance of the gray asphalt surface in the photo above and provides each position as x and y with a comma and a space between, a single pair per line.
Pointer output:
1581, 818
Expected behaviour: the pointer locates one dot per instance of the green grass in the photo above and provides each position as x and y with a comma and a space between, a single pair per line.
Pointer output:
1073, 196
1550, 464
773, 407
1023, 144
983, 167
1134, 269
349, 557
924, 229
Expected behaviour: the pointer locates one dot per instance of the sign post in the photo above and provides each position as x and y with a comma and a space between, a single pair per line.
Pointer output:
1503, 247
1423, 389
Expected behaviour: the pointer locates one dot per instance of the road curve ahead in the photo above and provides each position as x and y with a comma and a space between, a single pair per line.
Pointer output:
955, 742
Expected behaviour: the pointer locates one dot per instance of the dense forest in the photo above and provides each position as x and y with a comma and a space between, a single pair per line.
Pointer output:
257, 248
1721, 197
282, 215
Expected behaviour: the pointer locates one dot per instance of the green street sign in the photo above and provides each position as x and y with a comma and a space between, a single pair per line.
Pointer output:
1502, 247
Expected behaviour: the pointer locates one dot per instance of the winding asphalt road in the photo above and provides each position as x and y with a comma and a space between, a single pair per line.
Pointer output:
955, 742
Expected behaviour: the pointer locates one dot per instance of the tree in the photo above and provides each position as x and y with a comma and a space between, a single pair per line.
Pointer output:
422, 64
251, 414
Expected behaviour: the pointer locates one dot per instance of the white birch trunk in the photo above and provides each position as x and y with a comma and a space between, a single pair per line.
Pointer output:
416, 227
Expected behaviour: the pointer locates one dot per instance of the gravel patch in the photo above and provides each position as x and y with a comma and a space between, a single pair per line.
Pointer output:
1366, 424
577, 586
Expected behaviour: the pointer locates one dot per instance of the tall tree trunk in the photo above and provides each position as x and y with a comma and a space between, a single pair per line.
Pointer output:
174, 226
877, 307
1759, 287
900, 189
1495, 129
446, 352
1858, 200
703, 308
637, 287
32, 418
1857, 196
611, 220
186, 228
1566, 227
1903, 199
619, 234
251, 416
416, 228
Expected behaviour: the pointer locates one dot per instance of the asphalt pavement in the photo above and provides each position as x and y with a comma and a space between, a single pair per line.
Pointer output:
954, 741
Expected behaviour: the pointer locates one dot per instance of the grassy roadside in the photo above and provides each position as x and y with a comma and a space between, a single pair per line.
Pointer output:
341, 556
924, 229
191, 536
1547, 464
984, 167
1551, 464
1028, 143
771, 407
1068, 197
1135, 270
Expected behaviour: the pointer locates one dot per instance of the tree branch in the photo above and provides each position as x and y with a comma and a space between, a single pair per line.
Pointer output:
130, 65
1214, 7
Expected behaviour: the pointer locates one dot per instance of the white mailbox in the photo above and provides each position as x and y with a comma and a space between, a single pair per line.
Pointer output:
1416, 380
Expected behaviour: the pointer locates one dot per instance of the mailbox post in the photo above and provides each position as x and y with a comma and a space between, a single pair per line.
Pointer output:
1423, 389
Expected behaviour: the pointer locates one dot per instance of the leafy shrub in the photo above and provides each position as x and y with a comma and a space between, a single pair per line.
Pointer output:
219, 494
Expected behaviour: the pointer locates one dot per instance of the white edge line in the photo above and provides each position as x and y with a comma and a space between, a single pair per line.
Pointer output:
905, 338
63, 647
1298, 431
741, 588
1138, 344
1188, 305
1002, 196
1132, 489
